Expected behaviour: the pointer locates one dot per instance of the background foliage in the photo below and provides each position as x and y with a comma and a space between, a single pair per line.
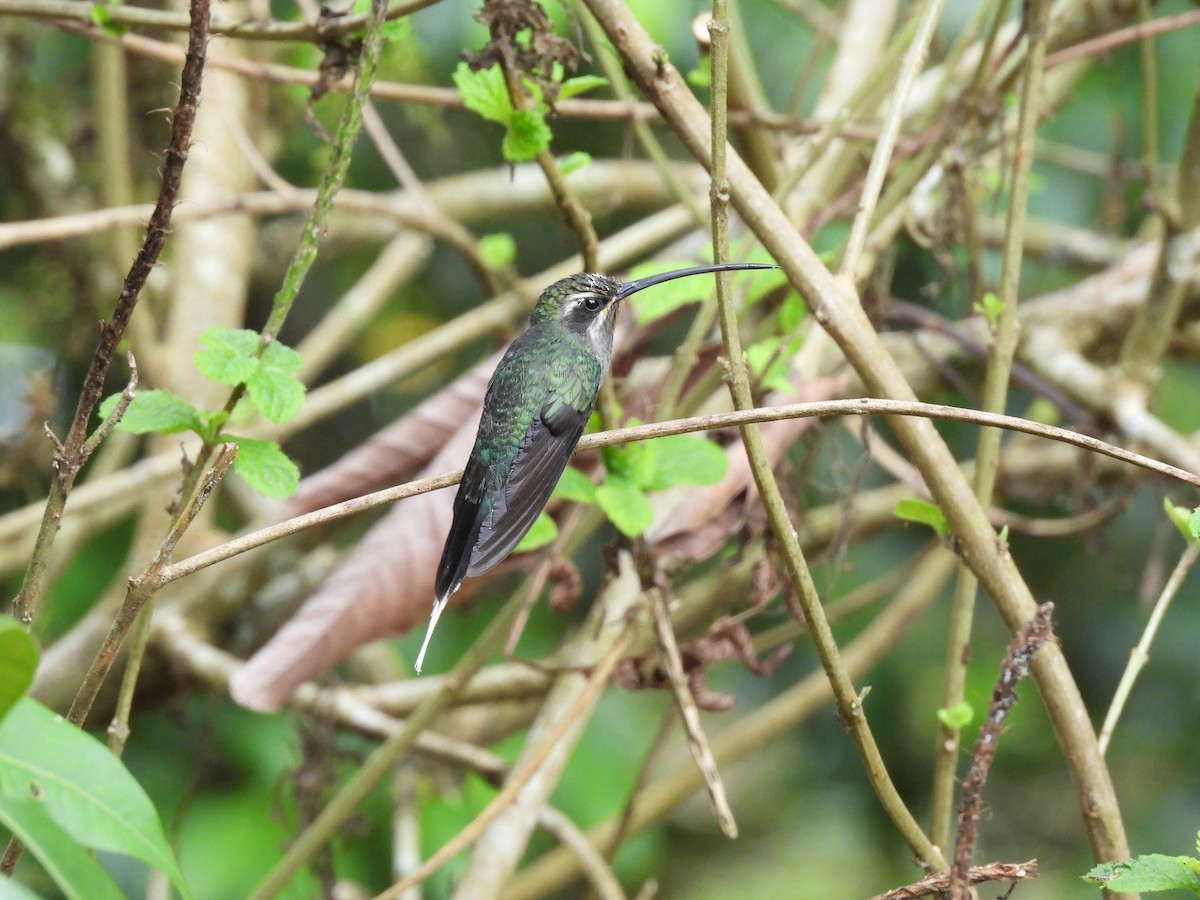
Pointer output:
80, 130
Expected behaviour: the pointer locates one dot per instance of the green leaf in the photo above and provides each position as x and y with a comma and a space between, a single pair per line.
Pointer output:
497, 250
102, 18
913, 509
990, 307
484, 92
543, 532
82, 786
1152, 872
528, 135
633, 462
76, 872
701, 76
157, 411
575, 486
1180, 517
573, 162
958, 716
1194, 523
686, 459
278, 395
792, 312
627, 507
265, 466
230, 357
280, 356
580, 84
18, 663
769, 364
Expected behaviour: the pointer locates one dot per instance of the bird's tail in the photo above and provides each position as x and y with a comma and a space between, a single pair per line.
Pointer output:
438, 605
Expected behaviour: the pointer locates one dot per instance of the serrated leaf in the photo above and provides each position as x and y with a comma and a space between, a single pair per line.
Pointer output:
580, 84
18, 663
265, 466
229, 355
573, 485
686, 459
82, 787
958, 716
282, 357
157, 411
484, 92
76, 872
913, 509
1194, 523
527, 136
543, 532
625, 505
278, 395
1152, 872
498, 251
573, 162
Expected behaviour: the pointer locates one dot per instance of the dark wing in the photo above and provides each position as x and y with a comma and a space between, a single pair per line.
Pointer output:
469, 512
544, 453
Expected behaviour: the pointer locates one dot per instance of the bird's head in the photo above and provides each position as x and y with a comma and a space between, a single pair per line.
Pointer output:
587, 303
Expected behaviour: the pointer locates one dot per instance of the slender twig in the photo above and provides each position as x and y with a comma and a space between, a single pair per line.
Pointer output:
690, 715
914, 58
129, 16
849, 703
1140, 655
859, 407
995, 397
1121, 36
937, 885
142, 587
1017, 661
841, 314
512, 787
70, 457
755, 730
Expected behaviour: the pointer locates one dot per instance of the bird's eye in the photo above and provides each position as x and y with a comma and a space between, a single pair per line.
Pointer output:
592, 303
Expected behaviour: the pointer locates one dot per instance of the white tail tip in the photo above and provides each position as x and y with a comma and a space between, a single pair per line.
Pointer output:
438, 605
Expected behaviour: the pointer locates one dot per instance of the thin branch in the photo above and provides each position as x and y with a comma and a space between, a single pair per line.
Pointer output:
842, 316
70, 457
322, 31
914, 58
849, 702
1121, 36
937, 885
1140, 655
824, 408
690, 715
1017, 661
995, 398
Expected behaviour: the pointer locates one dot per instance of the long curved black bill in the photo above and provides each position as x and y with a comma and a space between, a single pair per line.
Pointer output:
632, 287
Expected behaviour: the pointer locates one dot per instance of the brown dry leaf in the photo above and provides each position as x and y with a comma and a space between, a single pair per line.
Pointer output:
397, 450
384, 587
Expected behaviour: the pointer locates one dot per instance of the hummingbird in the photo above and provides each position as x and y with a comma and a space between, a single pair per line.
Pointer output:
534, 411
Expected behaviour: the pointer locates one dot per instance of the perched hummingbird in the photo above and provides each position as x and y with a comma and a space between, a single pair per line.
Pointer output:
534, 411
